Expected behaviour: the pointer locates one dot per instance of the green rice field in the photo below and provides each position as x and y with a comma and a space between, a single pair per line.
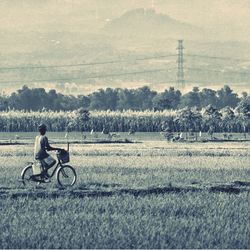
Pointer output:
151, 194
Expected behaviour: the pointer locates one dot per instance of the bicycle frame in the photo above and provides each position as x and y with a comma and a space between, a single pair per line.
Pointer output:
56, 166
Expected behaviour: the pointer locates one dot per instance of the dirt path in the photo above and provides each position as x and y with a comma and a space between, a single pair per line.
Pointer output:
97, 190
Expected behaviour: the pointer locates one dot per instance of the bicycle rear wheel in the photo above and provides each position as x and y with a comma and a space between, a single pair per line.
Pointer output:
28, 179
66, 176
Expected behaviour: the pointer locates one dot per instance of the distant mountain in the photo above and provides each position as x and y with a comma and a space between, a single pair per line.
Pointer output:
148, 23
138, 33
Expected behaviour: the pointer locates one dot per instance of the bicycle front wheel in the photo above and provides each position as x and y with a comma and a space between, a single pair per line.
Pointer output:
66, 176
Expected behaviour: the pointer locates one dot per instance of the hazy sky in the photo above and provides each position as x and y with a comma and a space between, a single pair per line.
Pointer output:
229, 17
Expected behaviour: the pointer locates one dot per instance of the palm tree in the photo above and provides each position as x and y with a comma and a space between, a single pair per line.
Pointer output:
212, 119
189, 120
82, 116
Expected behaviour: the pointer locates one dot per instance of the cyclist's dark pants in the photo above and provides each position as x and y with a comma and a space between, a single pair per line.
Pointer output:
45, 167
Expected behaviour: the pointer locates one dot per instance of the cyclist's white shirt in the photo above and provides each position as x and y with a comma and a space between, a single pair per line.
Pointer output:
37, 145
41, 142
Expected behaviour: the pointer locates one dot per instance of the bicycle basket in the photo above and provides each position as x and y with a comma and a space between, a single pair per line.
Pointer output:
63, 157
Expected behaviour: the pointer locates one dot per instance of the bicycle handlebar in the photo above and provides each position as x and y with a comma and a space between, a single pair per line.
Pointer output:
62, 149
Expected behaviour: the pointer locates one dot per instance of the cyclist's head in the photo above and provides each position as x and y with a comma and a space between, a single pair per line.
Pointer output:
42, 129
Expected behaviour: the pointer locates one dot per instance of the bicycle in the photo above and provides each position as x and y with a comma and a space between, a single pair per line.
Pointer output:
65, 174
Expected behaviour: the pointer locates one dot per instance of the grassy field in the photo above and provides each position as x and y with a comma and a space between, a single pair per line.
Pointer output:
74, 136
152, 194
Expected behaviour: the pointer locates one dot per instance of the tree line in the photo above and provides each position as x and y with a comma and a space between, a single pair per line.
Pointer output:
188, 120
139, 99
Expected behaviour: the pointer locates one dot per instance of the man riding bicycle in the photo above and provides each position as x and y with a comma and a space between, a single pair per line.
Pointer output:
40, 151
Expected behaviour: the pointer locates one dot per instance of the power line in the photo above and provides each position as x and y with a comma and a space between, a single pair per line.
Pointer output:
59, 66
84, 78
189, 81
114, 62
207, 82
218, 71
155, 57
117, 74
86, 64
217, 57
